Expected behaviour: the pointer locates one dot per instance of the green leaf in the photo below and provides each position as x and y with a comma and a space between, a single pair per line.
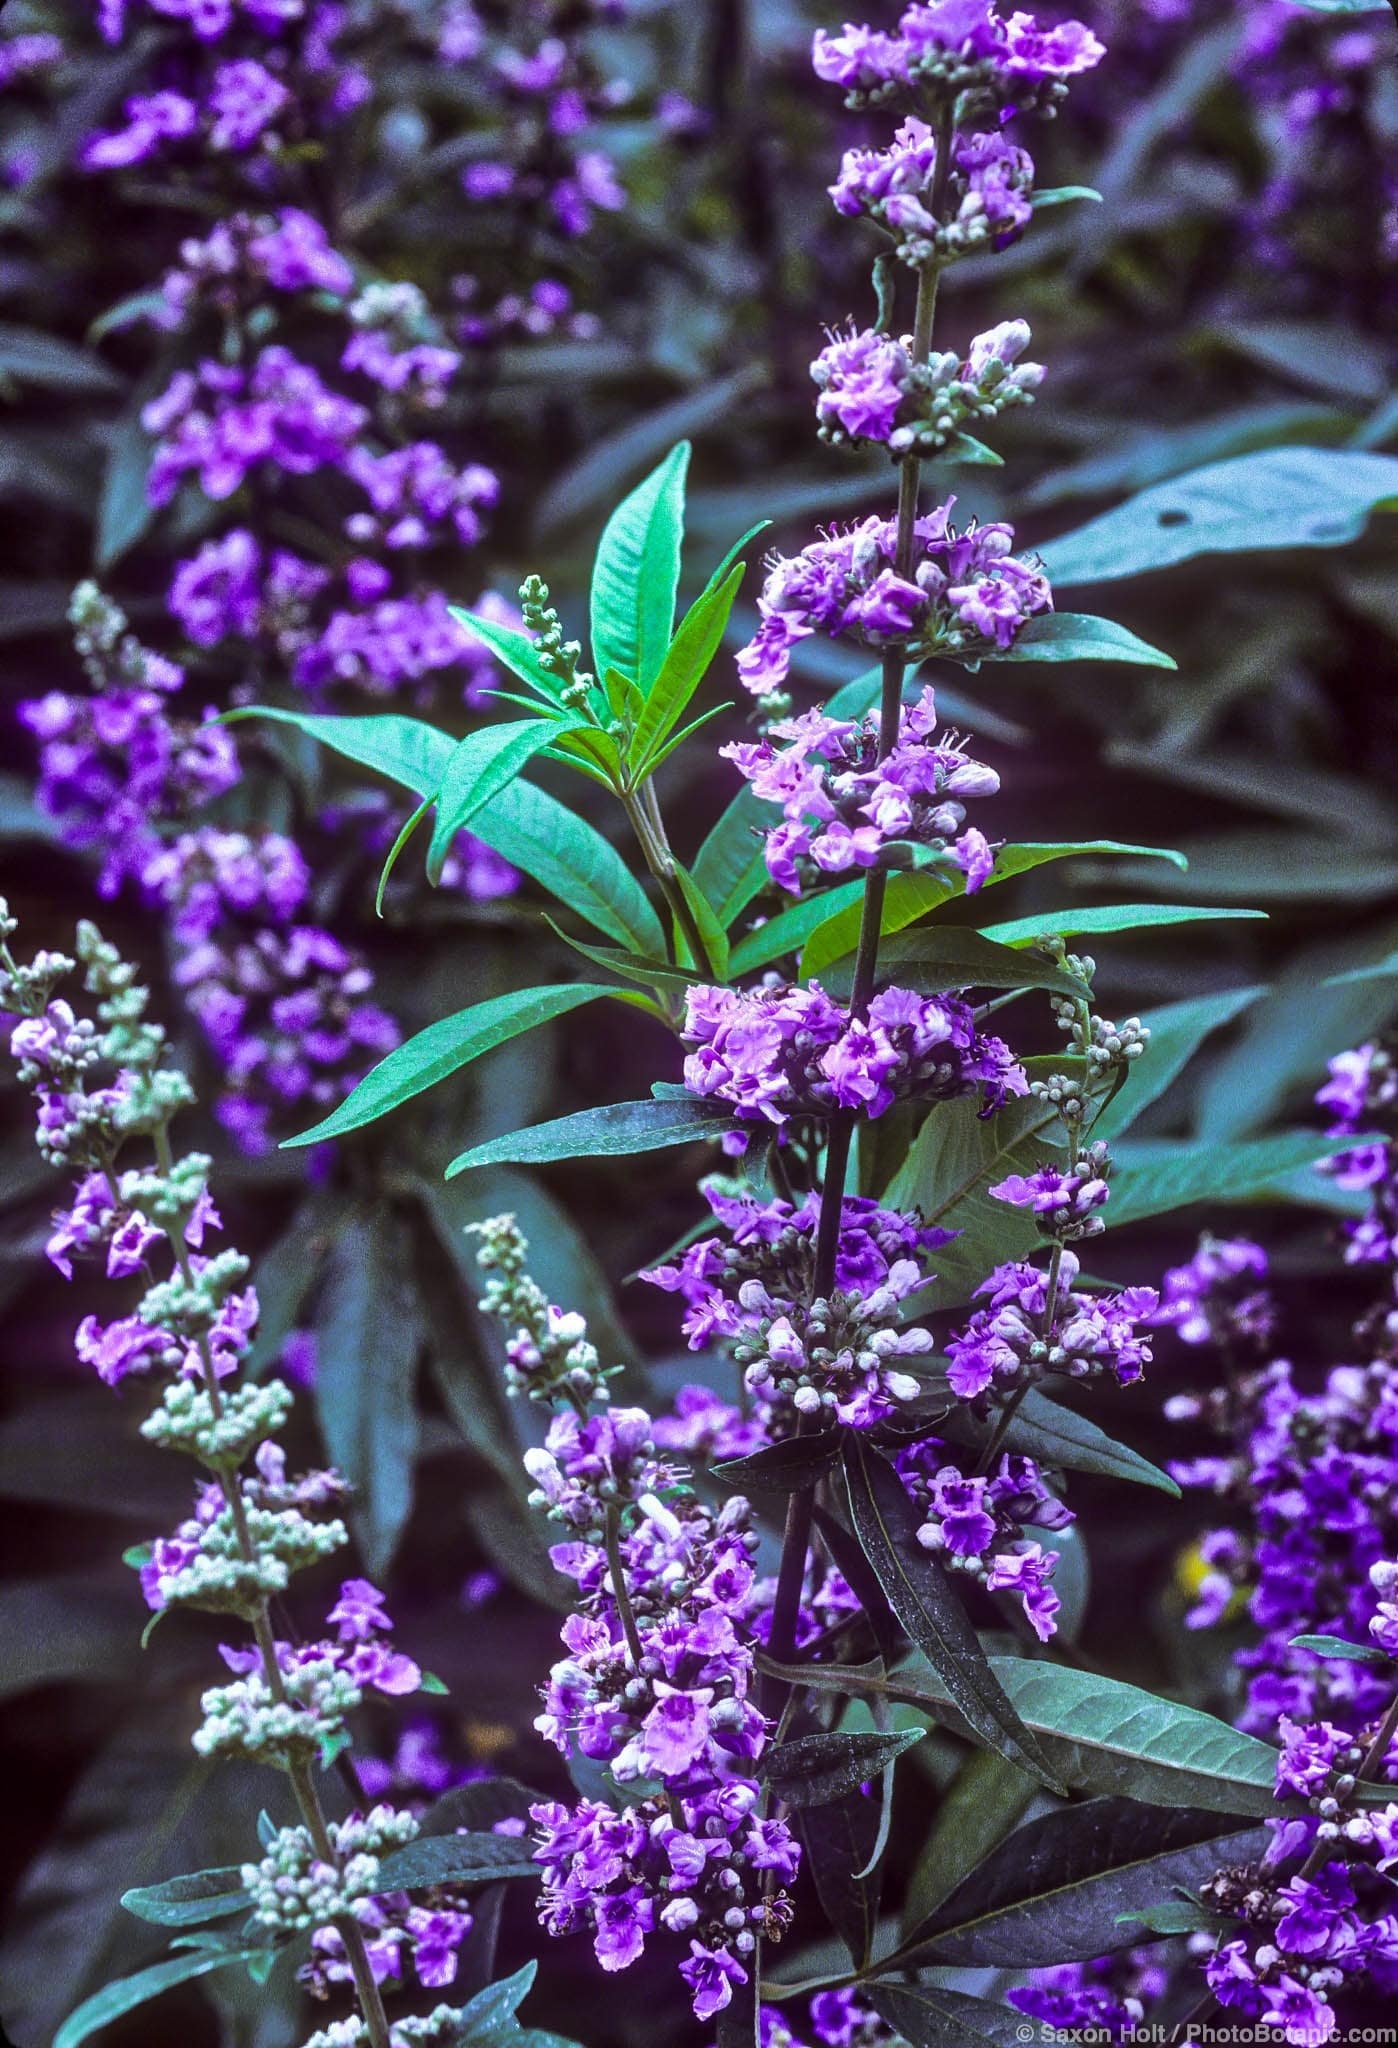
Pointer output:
368, 1336
711, 932
1335, 1646
1062, 195
457, 1859
127, 1993
518, 652
920, 1594
395, 852
124, 510
1342, 6
442, 1049
662, 753
1176, 1033
950, 957
483, 764
788, 930
1019, 859
573, 862
987, 1797
815, 1769
839, 1839
1275, 498
1105, 917
1157, 1175
1107, 1737
637, 573
613, 1129
1058, 1890
185, 1901
1077, 636
731, 867
685, 666
632, 966
788, 1465
33, 357
927, 2016
1043, 1428
404, 749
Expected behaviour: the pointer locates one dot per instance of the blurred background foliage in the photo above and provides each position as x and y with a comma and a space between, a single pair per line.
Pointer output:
1235, 290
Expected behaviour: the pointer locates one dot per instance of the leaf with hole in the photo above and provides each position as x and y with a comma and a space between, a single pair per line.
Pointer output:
1274, 498
921, 1595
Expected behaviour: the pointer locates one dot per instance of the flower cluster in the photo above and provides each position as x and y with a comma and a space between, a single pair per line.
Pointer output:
845, 798
974, 1524
966, 595
1035, 1323
777, 1052
117, 764
944, 51
988, 198
102, 1086
872, 389
1219, 1296
836, 2019
802, 1354
1361, 1095
656, 1684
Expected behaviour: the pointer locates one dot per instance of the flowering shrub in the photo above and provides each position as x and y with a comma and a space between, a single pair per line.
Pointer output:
857, 1529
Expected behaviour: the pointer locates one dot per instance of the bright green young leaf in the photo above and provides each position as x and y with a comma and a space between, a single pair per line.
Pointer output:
921, 1595
1077, 636
730, 867
396, 851
566, 856
442, 1049
1275, 498
637, 573
788, 930
660, 754
404, 749
483, 764
1105, 917
1157, 1175
711, 932
123, 1996
518, 652
615, 1128
686, 663
186, 1901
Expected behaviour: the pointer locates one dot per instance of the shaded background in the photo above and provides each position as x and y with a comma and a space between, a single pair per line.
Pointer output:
1235, 290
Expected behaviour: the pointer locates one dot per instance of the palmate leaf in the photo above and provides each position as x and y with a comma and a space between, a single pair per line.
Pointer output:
1058, 1890
563, 853
815, 1769
1274, 498
637, 573
443, 1049
920, 1594
1077, 636
614, 1129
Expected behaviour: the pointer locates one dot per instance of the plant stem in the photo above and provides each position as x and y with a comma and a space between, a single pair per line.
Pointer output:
302, 1783
649, 828
620, 1592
